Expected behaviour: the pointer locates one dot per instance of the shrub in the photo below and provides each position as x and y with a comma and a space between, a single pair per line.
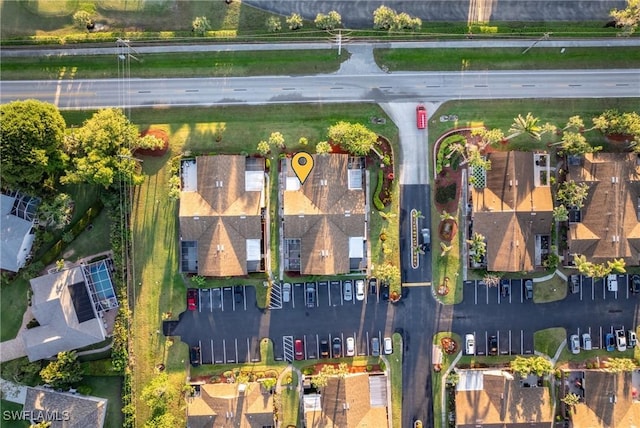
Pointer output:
444, 156
273, 24
376, 195
294, 21
446, 193
33, 323
383, 366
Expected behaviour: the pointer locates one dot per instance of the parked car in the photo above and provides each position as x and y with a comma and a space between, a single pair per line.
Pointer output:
388, 346
421, 116
350, 347
192, 299
574, 344
621, 340
586, 342
324, 348
634, 284
612, 282
631, 338
298, 348
359, 289
384, 291
375, 347
505, 287
348, 290
286, 292
470, 344
337, 347
493, 345
610, 342
195, 356
426, 239
373, 285
528, 289
574, 284
310, 294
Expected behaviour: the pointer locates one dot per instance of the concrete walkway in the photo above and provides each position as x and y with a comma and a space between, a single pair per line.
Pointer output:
13, 392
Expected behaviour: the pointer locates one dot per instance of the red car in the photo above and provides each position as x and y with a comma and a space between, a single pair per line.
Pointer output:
299, 349
192, 299
421, 116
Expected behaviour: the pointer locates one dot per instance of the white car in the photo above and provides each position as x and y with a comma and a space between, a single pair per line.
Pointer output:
348, 290
470, 344
286, 292
631, 338
359, 289
574, 344
586, 342
621, 340
612, 282
388, 346
351, 347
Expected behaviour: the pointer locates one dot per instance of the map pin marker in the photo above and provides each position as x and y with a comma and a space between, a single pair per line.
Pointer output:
302, 164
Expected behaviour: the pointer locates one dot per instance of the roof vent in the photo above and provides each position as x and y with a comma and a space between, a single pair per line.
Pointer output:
220, 247
196, 218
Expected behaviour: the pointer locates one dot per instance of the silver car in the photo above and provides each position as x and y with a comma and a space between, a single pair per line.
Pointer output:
348, 290
574, 344
586, 342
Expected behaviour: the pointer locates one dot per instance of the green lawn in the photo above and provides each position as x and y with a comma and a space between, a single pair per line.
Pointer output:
447, 266
395, 369
547, 341
290, 402
193, 64
550, 291
109, 387
13, 305
91, 241
9, 421
437, 376
507, 58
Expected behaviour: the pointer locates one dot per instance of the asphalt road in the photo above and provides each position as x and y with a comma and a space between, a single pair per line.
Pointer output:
427, 86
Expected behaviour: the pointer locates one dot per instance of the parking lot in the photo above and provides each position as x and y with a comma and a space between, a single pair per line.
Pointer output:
223, 299
326, 293
283, 349
225, 351
590, 289
481, 294
509, 342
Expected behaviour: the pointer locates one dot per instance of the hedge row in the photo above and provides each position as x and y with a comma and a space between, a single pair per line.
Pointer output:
376, 195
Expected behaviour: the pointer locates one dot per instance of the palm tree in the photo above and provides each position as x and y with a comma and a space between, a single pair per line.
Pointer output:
417, 214
617, 265
387, 216
571, 399
573, 143
446, 216
477, 247
560, 213
575, 123
445, 249
525, 125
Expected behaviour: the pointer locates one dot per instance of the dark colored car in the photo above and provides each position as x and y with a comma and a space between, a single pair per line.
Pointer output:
337, 347
493, 345
634, 284
373, 285
384, 291
192, 299
324, 349
238, 292
310, 294
505, 287
299, 349
610, 342
195, 356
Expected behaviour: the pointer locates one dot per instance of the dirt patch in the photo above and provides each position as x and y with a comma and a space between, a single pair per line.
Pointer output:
447, 177
449, 346
447, 229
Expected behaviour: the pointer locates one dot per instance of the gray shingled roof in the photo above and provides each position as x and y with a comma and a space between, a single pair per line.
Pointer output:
70, 410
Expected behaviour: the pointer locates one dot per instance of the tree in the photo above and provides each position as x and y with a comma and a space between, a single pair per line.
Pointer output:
617, 365
383, 18
584, 267
386, 272
158, 393
59, 264
273, 24
628, 17
488, 137
572, 194
328, 22
276, 139
446, 216
355, 138
527, 365
575, 123
56, 213
477, 247
323, 148
164, 420
491, 280
525, 125
31, 136
41, 424
101, 150
303, 141
294, 21
617, 265
476, 160
149, 142
200, 25
322, 378
64, 371
263, 148
445, 249
82, 19
416, 214
571, 399
560, 213
574, 143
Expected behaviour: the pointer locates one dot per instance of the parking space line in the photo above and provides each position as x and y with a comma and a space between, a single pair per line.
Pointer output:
233, 300
604, 290
476, 287
601, 347
222, 299
248, 350
328, 293
244, 295
355, 344
318, 346
510, 342
342, 294
200, 348
304, 342
367, 343
213, 357
315, 285
486, 288
486, 342
580, 285
224, 350
499, 294
498, 335
521, 342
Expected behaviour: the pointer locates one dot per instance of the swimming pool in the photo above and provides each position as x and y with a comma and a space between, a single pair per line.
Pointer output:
100, 285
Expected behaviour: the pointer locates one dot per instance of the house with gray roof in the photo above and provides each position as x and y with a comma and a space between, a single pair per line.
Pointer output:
70, 306
64, 409
18, 214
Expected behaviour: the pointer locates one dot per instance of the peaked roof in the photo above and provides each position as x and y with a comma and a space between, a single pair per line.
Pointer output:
15, 241
609, 227
500, 401
221, 215
510, 210
227, 406
54, 307
607, 402
324, 213
346, 403
83, 411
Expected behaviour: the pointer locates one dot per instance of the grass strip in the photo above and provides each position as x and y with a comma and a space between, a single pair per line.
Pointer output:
548, 340
537, 58
395, 369
195, 64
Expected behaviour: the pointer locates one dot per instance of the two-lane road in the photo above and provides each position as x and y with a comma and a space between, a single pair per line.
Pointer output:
426, 86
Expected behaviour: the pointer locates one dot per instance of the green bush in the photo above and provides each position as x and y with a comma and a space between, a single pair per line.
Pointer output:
445, 149
376, 195
446, 193
84, 389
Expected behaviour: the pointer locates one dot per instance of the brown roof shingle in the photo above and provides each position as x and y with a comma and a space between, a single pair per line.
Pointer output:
510, 210
324, 213
609, 227
221, 215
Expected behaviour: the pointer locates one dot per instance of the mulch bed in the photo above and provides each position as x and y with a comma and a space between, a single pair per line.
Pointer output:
446, 177
158, 133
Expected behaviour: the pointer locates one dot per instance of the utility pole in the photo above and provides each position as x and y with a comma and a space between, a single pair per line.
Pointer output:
545, 36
